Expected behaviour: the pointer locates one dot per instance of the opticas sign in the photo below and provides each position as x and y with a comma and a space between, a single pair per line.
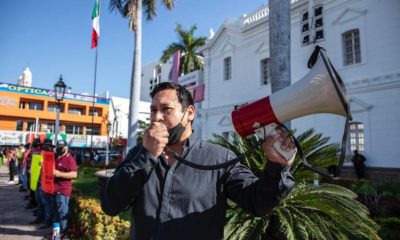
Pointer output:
50, 93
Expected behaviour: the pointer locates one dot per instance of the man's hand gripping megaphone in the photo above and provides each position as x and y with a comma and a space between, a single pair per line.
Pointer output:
278, 144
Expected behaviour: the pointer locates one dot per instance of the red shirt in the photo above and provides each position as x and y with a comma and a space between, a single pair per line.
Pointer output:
65, 163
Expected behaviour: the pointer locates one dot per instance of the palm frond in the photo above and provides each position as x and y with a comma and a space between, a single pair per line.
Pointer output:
169, 4
149, 9
188, 46
327, 212
170, 50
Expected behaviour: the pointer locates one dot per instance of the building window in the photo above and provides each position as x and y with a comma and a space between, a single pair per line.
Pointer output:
97, 112
48, 127
312, 26
22, 104
96, 130
227, 68
357, 137
19, 125
31, 126
52, 107
265, 71
157, 75
305, 29
73, 129
36, 106
75, 110
351, 47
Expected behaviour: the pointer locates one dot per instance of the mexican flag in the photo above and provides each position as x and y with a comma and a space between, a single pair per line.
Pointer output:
95, 24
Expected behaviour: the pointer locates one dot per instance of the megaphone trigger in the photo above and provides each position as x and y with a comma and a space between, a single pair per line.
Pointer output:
270, 130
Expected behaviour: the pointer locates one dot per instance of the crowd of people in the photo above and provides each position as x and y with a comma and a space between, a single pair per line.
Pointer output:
45, 172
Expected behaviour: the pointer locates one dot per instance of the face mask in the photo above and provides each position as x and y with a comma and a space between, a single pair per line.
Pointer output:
60, 151
176, 132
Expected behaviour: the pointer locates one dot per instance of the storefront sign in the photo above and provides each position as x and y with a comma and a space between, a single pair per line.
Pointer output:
7, 102
50, 93
77, 140
98, 141
61, 136
11, 138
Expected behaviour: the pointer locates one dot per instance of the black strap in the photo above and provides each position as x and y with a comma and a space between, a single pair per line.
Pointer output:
342, 93
210, 167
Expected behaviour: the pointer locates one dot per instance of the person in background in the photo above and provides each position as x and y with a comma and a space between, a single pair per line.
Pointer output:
65, 170
96, 158
23, 173
359, 164
12, 164
21, 152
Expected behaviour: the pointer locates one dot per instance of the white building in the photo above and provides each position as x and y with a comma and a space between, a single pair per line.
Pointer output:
362, 38
119, 113
152, 74
26, 78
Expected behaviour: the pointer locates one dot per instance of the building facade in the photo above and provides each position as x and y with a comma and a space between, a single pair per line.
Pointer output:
362, 40
26, 112
119, 113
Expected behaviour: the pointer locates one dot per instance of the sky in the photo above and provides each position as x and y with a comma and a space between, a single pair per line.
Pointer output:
53, 37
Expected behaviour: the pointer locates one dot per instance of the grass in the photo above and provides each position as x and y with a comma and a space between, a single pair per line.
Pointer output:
86, 184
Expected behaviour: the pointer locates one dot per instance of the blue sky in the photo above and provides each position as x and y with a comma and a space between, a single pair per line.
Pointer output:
53, 37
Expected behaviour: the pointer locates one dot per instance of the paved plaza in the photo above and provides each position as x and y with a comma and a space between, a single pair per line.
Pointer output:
14, 218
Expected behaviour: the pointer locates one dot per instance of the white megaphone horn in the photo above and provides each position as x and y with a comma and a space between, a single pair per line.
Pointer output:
320, 91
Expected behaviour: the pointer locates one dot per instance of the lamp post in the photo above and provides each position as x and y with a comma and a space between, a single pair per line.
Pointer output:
107, 143
59, 89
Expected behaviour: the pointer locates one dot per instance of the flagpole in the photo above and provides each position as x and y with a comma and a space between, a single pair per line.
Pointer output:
94, 98
95, 44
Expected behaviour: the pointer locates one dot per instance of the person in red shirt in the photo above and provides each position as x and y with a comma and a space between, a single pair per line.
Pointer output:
65, 170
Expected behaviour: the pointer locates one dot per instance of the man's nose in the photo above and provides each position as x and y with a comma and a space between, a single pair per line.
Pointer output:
158, 116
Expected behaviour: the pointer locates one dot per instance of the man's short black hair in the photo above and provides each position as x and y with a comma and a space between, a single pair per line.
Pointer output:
184, 96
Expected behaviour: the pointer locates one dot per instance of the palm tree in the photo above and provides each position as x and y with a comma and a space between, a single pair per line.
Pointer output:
132, 9
308, 212
188, 45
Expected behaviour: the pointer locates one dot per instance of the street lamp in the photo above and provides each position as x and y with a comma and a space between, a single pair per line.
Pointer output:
59, 89
107, 143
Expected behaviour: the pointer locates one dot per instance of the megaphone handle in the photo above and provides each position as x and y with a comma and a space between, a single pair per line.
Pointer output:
269, 130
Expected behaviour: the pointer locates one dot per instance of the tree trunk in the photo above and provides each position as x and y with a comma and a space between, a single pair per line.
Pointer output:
134, 97
279, 44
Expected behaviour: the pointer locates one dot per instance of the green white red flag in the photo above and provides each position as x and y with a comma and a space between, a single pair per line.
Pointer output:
95, 24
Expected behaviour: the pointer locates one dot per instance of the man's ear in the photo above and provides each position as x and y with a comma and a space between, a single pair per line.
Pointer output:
191, 113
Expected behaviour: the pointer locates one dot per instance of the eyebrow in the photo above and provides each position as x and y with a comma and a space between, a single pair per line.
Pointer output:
169, 104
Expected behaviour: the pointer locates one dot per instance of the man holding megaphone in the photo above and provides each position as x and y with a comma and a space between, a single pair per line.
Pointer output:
178, 184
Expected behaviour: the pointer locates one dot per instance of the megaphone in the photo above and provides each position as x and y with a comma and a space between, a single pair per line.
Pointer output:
321, 90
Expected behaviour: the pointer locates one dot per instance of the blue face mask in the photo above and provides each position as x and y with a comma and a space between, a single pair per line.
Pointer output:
176, 132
